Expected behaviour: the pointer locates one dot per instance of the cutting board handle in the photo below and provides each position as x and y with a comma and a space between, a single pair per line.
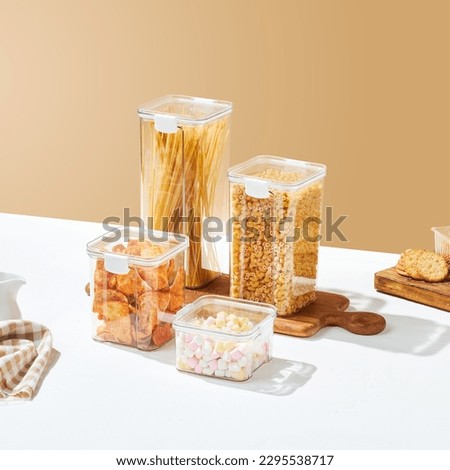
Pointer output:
360, 323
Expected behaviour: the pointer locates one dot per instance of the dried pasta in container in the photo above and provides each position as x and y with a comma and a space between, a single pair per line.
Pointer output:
276, 206
184, 162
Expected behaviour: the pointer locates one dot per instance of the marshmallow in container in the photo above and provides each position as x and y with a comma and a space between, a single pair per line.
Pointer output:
222, 337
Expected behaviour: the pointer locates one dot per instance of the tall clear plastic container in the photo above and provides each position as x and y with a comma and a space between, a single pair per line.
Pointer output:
185, 153
276, 207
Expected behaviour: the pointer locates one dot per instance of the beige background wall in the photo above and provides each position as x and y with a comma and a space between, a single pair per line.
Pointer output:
362, 86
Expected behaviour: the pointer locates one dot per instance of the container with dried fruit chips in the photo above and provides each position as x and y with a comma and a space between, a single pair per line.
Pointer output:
222, 337
137, 285
275, 210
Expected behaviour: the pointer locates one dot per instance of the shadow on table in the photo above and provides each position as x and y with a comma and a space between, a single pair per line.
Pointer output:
403, 333
165, 354
279, 377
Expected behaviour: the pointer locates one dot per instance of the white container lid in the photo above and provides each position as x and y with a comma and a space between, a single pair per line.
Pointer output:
117, 262
259, 313
248, 174
187, 110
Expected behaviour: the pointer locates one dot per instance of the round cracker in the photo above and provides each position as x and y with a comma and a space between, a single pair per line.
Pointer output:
447, 258
401, 271
432, 267
409, 260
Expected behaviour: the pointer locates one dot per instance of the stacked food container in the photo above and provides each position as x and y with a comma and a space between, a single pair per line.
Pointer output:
138, 276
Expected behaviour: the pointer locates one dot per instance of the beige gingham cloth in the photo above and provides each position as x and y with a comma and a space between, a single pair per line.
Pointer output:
24, 350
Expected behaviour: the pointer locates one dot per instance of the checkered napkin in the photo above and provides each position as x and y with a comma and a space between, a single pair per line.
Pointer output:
24, 350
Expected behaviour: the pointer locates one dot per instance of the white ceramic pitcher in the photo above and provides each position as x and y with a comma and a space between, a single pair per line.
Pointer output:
9, 287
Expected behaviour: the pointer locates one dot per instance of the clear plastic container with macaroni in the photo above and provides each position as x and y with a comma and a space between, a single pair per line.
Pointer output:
137, 285
221, 337
442, 240
275, 209
185, 152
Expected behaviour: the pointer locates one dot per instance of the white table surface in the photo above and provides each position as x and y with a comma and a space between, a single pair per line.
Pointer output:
335, 390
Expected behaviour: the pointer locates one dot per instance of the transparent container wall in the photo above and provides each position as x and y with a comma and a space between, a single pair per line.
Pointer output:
442, 240
210, 342
184, 174
137, 308
275, 239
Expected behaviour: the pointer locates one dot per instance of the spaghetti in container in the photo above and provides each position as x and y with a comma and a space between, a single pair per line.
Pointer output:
185, 153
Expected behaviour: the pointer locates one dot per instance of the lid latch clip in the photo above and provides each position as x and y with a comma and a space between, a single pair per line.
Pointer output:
116, 264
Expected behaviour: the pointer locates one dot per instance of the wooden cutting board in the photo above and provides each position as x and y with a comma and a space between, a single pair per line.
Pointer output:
327, 310
434, 294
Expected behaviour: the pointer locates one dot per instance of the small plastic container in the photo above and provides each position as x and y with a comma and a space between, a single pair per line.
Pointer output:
137, 285
185, 155
442, 240
275, 209
222, 337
